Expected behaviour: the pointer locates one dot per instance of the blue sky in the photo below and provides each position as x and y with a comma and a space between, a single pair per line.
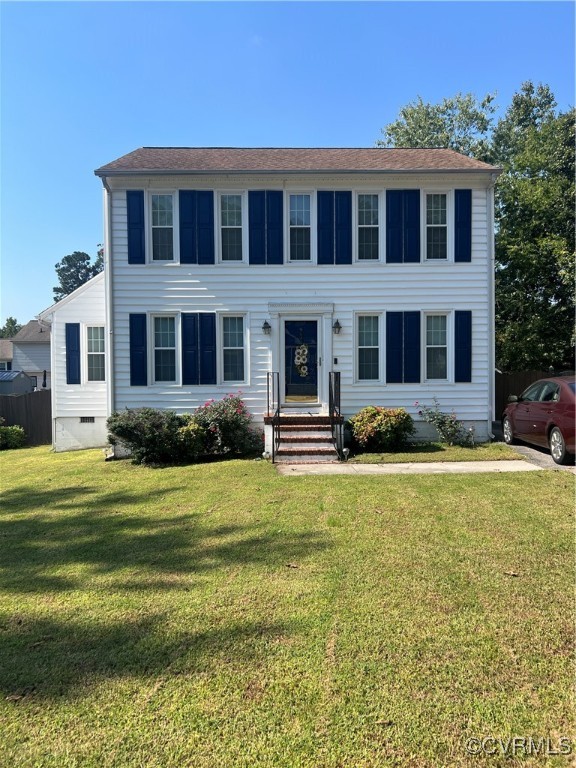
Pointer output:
85, 82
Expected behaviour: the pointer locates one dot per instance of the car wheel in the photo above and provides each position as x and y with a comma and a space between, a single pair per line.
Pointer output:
558, 446
509, 438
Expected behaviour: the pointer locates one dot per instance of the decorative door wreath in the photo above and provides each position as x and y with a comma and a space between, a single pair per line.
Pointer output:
301, 360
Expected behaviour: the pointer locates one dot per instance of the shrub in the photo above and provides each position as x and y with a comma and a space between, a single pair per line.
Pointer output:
152, 435
449, 428
192, 439
227, 427
11, 437
381, 429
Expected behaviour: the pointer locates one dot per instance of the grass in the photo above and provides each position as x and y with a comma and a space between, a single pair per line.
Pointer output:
220, 615
428, 452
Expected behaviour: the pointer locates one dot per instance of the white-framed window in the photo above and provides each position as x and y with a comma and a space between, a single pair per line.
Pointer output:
368, 226
95, 353
164, 329
368, 347
436, 335
231, 216
5, 366
162, 217
233, 347
300, 226
437, 216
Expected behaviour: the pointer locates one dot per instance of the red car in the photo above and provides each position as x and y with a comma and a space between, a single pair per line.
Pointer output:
544, 415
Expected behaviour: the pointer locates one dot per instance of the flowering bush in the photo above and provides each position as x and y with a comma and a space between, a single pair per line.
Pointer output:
449, 428
381, 429
227, 427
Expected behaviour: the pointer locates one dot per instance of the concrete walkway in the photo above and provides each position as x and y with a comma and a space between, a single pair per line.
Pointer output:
433, 467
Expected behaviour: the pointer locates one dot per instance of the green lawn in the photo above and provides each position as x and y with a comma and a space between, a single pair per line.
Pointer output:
440, 452
220, 615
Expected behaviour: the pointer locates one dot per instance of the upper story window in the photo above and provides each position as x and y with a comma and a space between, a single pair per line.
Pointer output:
368, 348
436, 226
95, 353
300, 227
231, 227
165, 349
368, 227
162, 221
436, 347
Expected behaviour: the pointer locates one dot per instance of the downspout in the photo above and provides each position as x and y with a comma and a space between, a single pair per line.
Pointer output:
108, 294
491, 301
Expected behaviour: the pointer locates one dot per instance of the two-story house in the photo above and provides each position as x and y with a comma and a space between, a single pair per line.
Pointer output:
374, 266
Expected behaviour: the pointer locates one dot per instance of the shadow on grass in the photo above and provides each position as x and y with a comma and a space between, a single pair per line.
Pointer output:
47, 659
69, 536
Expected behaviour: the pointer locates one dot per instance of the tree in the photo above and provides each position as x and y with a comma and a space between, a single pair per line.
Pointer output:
461, 122
535, 246
74, 270
10, 328
535, 195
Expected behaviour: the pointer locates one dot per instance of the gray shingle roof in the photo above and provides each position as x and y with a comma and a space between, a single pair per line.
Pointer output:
32, 332
6, 349
267, 160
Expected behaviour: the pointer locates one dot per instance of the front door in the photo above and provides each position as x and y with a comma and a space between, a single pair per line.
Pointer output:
301, 361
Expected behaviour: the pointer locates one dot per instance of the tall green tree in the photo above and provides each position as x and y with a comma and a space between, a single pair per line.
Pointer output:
535, 197
461, 122
535, 246
10, 328
74, 270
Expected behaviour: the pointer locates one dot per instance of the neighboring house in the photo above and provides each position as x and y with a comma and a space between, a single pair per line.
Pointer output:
370, 266
31, 353
5, 355
15, 383
78, 369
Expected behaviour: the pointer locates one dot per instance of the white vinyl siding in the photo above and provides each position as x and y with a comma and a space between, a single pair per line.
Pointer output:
366, 288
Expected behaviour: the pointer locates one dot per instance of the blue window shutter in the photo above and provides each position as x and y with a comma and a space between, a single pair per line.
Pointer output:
343, 227
325, 227
188, 250
72, 353
190, 362
411, 226
394, 347
411, 356
9, 366
207, 337
257, 227
274, 227
205, 226
463, 225
463, 345
135, 216
394, 226
138, 351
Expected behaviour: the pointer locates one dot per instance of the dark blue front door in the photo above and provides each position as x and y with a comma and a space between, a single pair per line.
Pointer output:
301, 360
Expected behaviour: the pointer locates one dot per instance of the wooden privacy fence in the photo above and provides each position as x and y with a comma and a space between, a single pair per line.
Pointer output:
507, 384
33, 412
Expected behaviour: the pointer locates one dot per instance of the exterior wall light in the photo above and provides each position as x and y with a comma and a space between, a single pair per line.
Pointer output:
336, 327
266, 328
